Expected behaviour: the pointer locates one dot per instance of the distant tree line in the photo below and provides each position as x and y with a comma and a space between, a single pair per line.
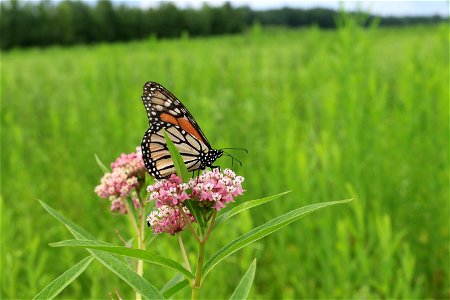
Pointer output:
26, 23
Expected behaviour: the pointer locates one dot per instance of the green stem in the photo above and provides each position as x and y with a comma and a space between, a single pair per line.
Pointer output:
188, 222
142, 222
199, 271
211, 225
139, 230
140, 267
183, 252
201, 256
131, 217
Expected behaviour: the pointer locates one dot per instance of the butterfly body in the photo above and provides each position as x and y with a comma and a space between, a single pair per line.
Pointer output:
165, 111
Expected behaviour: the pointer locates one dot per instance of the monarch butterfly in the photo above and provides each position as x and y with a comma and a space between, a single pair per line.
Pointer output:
165, 111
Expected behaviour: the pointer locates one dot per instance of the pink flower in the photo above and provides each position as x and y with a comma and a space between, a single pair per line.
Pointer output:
132, 163
168, 219
118, 206
127, 173
216, 187
211, 189
168, 191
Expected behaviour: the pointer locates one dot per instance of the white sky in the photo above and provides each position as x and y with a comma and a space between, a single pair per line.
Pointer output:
384, 8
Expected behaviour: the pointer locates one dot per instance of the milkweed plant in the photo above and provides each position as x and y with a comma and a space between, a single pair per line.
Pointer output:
168, 206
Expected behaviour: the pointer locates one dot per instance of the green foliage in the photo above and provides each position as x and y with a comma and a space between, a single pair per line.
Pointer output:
359, 113
175, 288
146, 255
71, 22
60, 283
264, 230
244, 206
141, 285
243, 288
119, 268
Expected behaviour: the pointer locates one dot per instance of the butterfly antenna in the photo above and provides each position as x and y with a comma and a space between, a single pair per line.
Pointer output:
233, 158
242, 149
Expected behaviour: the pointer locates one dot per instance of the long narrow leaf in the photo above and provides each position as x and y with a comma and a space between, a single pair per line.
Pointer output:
264, 230
175, 288
101, 164
243, 288
137, 282
173, 281
60, 283
131, 252
244, 206
68, 223
182, 171
178, 161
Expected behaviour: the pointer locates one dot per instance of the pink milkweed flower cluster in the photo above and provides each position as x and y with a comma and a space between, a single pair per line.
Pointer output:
168, 219
127, 173
216, 188
212, 189
168, 191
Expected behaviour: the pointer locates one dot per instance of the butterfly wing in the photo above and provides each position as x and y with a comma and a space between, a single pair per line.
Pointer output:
162, 106
157, 157
165, 111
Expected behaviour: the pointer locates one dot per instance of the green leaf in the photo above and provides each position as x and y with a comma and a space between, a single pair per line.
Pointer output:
178, 161
244, 206
101, 164
195, 211
131, 252
69, 224
264, 230
243, 288
175, 288
182, 171
60, 283
118, 267
173, 281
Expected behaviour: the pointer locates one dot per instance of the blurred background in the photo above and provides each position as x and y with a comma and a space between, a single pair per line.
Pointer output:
332, 100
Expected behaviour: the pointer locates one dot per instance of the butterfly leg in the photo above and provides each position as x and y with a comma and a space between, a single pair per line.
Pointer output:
194, 175
215, 167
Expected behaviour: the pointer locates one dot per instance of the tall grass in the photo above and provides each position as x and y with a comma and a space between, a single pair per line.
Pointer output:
329, 114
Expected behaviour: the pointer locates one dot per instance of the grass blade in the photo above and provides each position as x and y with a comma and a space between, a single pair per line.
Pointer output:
243, 288
60, 283
131, 252
264, 230
244, 206
118, 267
101, 164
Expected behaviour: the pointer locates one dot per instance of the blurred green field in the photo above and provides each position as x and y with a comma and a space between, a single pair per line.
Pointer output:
355, 112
